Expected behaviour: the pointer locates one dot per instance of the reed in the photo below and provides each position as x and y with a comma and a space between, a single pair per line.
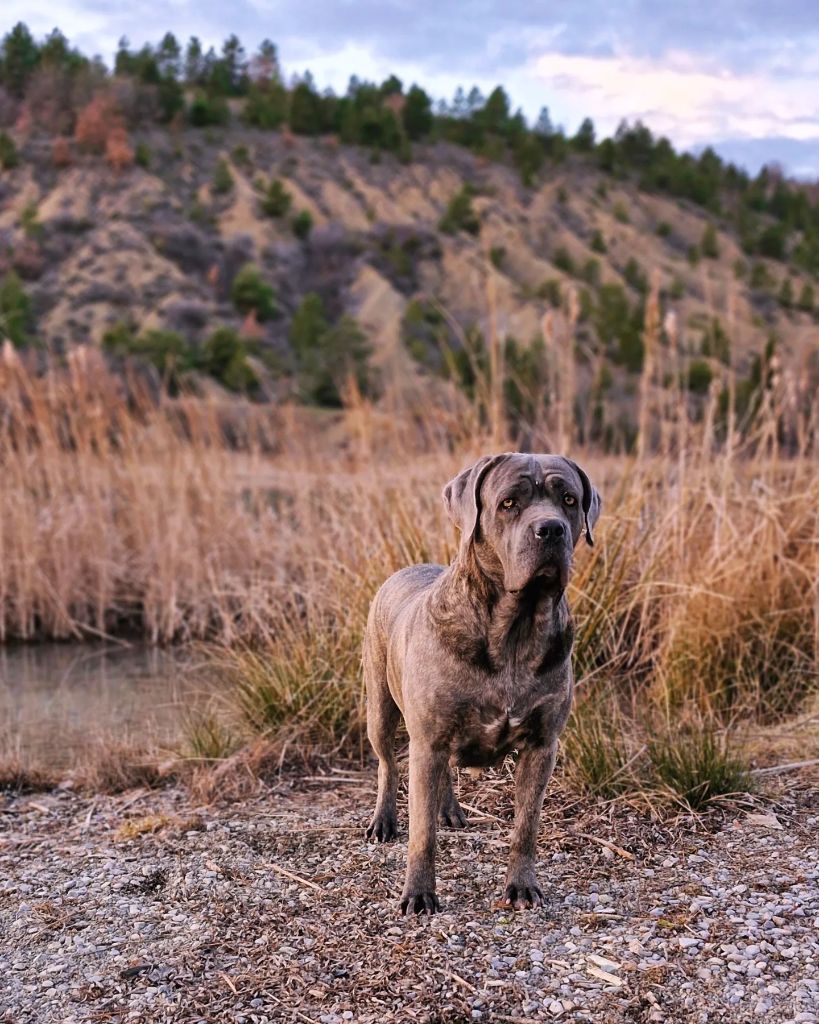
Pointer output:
266, 533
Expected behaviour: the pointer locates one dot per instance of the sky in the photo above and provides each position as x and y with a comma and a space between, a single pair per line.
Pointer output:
740, 75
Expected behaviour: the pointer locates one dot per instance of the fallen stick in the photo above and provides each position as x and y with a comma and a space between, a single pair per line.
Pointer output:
293, 877
609, 846
777, 769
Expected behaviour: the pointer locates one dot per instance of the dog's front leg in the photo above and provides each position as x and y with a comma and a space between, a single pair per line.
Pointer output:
532, 775
426, 773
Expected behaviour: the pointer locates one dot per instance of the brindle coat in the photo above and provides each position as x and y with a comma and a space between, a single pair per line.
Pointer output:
476, 657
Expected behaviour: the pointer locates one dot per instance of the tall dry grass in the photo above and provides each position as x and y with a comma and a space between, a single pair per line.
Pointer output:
698, 608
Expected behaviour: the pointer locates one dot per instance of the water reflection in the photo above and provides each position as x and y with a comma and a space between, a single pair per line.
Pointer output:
57, 699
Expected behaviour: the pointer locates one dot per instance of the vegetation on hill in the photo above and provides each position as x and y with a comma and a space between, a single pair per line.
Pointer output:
225, 302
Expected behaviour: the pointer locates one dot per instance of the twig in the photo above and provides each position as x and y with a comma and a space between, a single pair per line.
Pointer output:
293, 877
482, 814
459, 979
777, 769
609, 846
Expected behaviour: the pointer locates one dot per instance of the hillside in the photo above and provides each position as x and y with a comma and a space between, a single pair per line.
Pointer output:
408, 261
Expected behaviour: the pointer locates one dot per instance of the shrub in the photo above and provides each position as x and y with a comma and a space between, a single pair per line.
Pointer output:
772, 242
677, 289
598, 243
97, 122
208, 110
497, 254
693, 255
786, 293
760, 278
8, 152
806, 299
118, 153
277, 200
635, 275
620, 212
700, 376
551, 290
142, 155
460, 215
663, 229
222, 178
591, 272
327, 356
562, 259
302, 225
250, 292
15, 310
709, 246
225, 358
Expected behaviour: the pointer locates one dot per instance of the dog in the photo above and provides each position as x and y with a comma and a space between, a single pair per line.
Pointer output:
476, 657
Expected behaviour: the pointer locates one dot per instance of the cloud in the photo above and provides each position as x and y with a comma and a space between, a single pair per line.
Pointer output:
691, 100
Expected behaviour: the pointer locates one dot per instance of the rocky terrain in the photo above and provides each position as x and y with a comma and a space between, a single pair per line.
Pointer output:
159, 245
149, 907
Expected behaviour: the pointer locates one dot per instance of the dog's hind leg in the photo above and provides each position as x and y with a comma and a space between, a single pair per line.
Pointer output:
383, 716
451, 813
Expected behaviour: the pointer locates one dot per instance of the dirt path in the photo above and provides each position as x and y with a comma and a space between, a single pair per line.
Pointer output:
144, 907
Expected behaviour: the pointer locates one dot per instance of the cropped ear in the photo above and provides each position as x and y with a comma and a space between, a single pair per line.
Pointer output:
591, 504
462, 497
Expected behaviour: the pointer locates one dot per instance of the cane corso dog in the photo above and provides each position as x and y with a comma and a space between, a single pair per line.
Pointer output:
476, 656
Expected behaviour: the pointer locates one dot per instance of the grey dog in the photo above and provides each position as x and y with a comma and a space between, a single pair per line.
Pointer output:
476, 657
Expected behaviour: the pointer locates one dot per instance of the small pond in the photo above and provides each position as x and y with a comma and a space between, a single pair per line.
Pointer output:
58, 700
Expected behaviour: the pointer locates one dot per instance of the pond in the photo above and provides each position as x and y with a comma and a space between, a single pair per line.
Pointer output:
59, 700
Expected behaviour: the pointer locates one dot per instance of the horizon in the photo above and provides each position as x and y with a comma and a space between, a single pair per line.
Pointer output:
704, 91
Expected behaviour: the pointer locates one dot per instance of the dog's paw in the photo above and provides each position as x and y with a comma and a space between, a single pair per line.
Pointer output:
419, 903
383, 828
452, 815
523, 895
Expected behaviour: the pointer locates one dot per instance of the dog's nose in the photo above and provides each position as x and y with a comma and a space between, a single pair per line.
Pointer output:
549, 529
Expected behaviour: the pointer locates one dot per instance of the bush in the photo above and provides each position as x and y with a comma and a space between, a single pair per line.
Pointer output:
205, 111
786, 294
562, 259
327, 356
709, 246
277, 200
620, 212
700, 376
635, 276
806, 299
460, 215
250, 293
15, 310
663, 229
772, 242
8, 152
142, 155
302, 225
222, 178
225, 358
598, 243
497, 254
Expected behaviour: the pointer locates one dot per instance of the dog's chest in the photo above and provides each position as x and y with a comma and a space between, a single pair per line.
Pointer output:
490, 728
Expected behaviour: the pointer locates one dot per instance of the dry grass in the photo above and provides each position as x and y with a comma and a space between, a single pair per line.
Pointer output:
698, 608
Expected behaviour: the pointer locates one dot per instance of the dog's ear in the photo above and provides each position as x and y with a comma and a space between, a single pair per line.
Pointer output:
591, 504
462, 496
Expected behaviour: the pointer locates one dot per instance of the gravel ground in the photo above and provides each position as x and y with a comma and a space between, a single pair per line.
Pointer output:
144, 907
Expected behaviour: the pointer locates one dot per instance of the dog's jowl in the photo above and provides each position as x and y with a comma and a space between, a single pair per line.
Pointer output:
476, 656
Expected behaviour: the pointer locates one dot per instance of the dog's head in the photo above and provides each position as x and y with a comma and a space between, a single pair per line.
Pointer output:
522, 516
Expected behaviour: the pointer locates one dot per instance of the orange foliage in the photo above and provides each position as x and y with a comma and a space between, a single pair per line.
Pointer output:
101, 129
118, 152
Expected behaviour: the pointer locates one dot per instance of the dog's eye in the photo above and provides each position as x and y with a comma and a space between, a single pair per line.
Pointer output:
508, 503
569, 499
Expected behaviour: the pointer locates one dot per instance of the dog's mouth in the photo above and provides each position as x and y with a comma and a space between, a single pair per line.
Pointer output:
554, 569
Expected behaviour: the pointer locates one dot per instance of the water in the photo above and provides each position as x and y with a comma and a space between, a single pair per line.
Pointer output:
58, 700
